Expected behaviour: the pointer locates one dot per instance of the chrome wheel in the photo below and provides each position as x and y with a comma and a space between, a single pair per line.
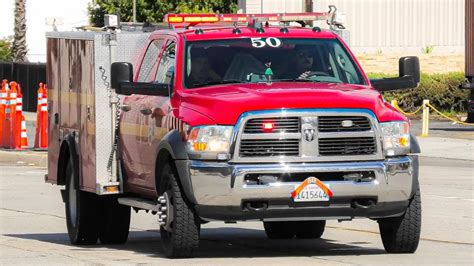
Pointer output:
165, 213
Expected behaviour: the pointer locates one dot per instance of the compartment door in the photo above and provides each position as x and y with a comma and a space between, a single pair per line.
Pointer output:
53, 79
84, 82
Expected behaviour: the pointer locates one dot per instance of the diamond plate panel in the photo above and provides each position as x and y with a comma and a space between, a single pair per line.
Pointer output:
126, 48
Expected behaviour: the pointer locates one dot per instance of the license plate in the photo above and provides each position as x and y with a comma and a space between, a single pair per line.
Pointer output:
311, 190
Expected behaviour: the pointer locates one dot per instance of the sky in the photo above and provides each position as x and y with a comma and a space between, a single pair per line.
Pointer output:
72, 12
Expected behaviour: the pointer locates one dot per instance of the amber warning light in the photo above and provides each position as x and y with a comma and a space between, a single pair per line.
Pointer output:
194, 19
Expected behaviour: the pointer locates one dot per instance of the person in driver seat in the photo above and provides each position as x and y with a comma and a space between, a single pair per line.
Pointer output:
201, 70
302, 59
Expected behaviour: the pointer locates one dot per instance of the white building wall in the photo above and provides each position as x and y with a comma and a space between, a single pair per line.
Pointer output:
270, 6
388, 25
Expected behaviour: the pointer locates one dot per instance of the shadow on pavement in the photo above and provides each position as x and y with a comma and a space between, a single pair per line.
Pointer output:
224, 243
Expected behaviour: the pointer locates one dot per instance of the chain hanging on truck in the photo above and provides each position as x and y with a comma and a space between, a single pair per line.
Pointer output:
114, 100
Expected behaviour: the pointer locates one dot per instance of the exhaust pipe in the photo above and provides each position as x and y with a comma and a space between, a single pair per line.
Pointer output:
256, 206
363, 203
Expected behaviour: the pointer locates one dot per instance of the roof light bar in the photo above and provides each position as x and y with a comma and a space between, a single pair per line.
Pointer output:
194, 19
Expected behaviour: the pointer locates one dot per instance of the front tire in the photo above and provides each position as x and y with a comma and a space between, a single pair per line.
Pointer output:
310, 229
82, 212
279, 230
181, 239
402, 234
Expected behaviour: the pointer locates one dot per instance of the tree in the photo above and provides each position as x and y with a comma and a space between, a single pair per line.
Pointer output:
5, 49
19, 49
153, 11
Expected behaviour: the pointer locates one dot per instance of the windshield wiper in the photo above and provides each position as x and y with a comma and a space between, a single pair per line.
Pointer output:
227, 81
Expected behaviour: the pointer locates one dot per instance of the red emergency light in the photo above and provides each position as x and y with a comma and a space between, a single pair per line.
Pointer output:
194, 19
268, 126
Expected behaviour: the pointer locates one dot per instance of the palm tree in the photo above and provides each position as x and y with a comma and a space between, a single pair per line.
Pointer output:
19, 48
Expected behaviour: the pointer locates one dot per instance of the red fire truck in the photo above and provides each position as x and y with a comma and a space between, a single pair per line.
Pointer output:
227, 118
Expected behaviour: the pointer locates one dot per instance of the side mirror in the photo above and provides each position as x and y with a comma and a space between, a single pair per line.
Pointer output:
120, 72
121, 76
409, 76
409, 66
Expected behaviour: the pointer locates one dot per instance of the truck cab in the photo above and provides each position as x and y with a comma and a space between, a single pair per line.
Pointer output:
276, 124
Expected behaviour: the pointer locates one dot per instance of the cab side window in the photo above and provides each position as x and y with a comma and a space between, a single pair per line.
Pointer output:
165, 73
344, 62
150, 60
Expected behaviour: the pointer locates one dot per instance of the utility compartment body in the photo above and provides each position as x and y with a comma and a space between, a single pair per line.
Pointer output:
78, 75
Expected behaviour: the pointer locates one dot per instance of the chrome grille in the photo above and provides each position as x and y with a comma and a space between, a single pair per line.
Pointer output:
281, 124
335, 123
269, 147
346, 146
307, 135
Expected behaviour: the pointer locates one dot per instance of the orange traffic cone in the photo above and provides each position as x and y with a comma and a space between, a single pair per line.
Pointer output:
41, 136
44, 112
38, 116
10, 118
18, 118
3, 104
24, 136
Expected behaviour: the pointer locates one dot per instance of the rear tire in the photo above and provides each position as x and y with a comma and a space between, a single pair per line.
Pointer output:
82, 212
183, 239
115, 222
402, 234
310, 229
280, 230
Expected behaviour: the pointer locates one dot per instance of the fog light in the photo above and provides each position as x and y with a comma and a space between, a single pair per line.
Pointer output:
267, 179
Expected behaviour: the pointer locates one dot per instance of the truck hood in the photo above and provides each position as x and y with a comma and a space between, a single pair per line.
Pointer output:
225, 103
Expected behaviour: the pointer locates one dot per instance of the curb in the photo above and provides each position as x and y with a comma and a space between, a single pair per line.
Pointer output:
29, 157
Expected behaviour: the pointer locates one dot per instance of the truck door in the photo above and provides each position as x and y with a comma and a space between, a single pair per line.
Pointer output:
156, 112
133, 132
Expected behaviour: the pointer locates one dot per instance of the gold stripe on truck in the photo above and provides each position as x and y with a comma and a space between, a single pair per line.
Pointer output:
142, 131
72, 97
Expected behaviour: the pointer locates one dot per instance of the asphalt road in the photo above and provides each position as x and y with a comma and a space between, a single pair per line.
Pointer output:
33, 229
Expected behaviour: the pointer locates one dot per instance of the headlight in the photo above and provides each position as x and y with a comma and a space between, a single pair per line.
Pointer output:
210, 140
396, 138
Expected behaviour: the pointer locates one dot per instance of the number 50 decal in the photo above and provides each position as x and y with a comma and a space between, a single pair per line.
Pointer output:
261, 42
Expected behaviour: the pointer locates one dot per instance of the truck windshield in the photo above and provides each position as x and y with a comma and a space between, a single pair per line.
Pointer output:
268, 59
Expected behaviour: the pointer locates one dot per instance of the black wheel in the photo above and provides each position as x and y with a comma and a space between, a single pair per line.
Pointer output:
115, 222
402, 234
279, 230
82, 212
179, 226
310, 229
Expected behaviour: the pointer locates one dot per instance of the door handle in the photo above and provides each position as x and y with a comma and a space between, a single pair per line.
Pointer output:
146, 111
125, 108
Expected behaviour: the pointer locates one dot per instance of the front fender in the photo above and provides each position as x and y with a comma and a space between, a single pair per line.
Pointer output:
414, 145
174, 145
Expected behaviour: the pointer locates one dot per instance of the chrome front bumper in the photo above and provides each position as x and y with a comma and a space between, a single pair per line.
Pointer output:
221, 185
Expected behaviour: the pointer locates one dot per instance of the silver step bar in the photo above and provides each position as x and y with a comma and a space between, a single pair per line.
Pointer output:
139, 203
